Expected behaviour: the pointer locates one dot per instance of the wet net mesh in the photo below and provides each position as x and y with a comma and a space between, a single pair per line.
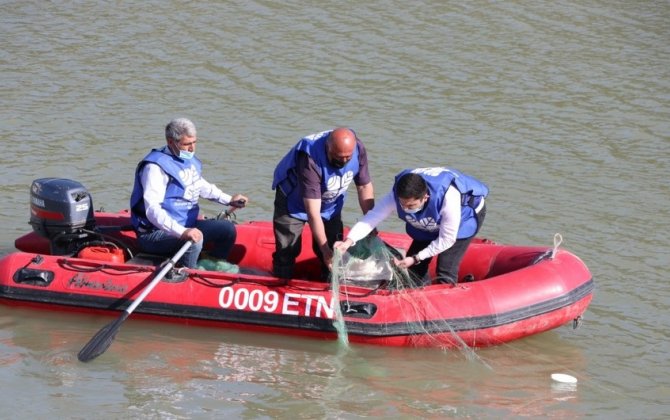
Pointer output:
370, 264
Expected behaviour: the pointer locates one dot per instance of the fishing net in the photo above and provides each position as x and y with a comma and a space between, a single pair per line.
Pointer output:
217, 265
370, 264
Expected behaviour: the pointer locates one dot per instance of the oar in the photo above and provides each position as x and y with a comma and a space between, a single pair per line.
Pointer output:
103, 339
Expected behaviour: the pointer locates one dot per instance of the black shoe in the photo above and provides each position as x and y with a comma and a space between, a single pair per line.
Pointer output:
445, 280
468, 279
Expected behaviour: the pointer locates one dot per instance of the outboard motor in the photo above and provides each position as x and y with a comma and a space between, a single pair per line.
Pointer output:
61, 210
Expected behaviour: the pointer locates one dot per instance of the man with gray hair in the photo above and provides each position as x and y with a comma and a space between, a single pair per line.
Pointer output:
164, 202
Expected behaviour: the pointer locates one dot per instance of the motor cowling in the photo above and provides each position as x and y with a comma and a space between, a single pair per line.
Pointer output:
62, 211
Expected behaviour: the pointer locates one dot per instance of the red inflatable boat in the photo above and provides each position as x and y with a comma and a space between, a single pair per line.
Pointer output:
83, 260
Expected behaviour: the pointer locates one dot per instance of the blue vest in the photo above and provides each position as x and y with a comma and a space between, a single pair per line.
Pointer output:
334, 181
425, 224
181, 201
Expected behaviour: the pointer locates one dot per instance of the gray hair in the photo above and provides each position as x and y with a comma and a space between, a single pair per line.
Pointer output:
178, 128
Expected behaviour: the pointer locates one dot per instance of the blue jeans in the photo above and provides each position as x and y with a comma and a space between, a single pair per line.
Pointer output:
221, 233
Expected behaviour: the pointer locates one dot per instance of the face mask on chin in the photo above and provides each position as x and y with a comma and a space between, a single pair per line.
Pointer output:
415, 210
412, 211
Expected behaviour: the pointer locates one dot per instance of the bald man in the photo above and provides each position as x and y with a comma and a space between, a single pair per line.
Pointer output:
311, 184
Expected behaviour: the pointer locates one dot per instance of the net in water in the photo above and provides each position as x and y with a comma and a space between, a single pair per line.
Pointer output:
370, 264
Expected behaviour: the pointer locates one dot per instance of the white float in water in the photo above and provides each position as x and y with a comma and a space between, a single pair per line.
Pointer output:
563, 378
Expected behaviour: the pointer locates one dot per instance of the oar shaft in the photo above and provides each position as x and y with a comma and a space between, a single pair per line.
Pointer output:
103, 339
168, 266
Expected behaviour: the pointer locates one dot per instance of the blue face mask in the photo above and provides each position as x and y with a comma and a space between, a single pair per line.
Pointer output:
183, 154
186, 155
412, 211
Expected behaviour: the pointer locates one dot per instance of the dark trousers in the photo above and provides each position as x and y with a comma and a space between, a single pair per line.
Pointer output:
288, 238
221, 233
449, 260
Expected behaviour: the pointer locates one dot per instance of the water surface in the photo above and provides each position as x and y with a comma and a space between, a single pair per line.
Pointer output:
562, 108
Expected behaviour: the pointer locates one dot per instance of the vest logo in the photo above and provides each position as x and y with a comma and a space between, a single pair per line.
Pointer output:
190, 177
316, 136
337, 186
427, 224
430, 171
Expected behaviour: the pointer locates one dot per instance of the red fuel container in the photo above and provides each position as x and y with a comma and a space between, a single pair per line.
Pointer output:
102, 253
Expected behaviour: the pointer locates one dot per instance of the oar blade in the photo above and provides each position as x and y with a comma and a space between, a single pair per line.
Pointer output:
102, 340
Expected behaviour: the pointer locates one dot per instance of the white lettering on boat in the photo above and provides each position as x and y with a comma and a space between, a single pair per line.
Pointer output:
270, 301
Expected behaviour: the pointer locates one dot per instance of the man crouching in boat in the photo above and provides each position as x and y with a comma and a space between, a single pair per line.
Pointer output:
164, 201
443, 210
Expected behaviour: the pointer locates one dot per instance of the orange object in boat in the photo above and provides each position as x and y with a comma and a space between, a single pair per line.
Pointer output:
102, 253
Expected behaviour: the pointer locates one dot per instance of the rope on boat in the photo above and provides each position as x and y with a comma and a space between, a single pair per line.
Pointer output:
344, 291
558, 239
37, 259
91, 267
550, 254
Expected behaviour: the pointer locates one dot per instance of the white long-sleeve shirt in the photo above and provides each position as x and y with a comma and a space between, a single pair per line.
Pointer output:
155, 182
450, 214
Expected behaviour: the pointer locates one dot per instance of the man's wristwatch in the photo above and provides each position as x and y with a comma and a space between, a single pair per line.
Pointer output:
416, 259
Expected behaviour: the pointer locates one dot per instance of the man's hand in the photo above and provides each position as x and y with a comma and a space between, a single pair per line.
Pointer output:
342, 246
238, 201
405, 262
327, 254
192, 234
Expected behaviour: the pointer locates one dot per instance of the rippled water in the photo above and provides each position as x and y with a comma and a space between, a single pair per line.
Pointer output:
562, 108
